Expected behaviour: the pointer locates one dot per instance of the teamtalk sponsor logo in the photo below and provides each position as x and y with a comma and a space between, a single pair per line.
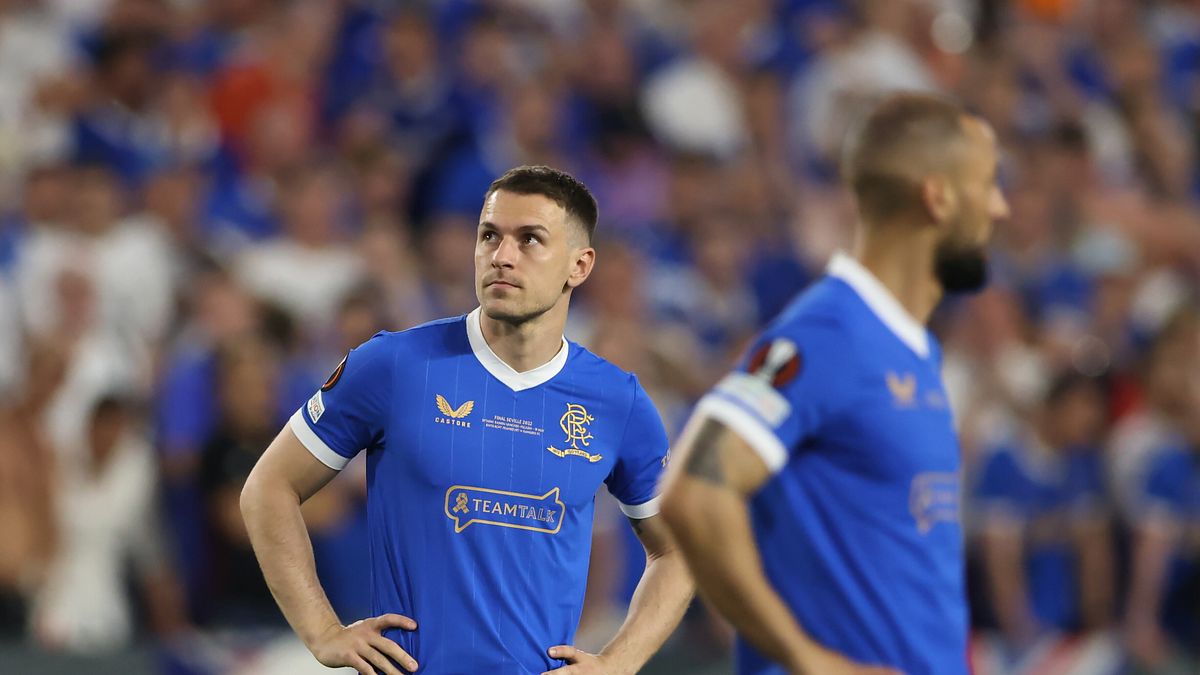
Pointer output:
574, 424
934, 498
466, 506
451, 415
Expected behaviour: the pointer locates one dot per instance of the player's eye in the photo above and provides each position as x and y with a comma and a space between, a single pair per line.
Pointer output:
487, 235
531, 239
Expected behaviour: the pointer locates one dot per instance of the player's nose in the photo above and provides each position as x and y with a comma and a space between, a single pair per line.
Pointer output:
505, 253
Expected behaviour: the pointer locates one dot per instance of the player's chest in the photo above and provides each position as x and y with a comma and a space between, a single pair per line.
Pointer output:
543, 441
901, 424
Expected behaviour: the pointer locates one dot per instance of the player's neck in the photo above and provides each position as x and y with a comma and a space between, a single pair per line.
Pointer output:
526, 345
904, 265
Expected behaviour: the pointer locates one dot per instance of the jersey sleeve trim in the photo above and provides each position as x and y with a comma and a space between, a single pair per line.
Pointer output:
314, 444
640, 511
753, 431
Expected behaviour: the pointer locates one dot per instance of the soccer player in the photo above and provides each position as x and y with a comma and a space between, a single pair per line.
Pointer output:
487, 437
815, 491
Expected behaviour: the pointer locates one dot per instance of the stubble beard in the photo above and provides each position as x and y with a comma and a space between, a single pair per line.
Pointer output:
960, 269
518, 315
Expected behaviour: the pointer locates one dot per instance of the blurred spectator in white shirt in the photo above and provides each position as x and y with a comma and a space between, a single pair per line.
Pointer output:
106, 517
310, 269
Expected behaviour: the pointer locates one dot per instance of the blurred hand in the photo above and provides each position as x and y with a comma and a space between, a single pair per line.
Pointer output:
580, 662
362, 646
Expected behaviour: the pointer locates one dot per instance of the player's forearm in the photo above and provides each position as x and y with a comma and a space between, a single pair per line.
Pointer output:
1151, 556
1004, 566
284, 550
658, 604
1096, 575
712, 527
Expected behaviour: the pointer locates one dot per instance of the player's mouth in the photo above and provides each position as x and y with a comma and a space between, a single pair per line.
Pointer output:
501, 283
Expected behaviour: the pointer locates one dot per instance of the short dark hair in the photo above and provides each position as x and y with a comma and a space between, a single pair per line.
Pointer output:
1069, 381
558, 186
902, 139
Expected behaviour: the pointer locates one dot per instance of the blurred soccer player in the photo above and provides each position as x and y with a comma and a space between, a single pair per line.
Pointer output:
487, 436
815, 491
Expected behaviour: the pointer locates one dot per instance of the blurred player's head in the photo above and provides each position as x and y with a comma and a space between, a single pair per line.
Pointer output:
921, 162
534, 243
1074, 410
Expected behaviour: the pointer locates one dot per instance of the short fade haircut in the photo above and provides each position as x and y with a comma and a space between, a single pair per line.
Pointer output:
895, 145
559, 187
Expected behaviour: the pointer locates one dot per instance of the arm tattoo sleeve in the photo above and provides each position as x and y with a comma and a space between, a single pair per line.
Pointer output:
637, 525
705, 462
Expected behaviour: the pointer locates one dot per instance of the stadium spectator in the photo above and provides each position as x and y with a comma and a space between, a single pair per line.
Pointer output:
1044, 528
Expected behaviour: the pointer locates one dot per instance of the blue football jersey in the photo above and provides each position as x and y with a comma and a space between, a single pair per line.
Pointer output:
859, 526
481, 483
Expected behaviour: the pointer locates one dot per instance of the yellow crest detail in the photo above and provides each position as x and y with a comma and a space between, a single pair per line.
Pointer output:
574, 424
903, 388
457, 413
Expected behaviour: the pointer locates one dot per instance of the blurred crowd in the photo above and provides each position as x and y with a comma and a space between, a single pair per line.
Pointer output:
205, 204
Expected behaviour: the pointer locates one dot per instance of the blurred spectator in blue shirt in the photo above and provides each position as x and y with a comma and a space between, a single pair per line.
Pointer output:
1043, 519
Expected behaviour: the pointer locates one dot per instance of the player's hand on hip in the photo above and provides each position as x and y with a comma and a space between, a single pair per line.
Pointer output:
362, 646
579, 662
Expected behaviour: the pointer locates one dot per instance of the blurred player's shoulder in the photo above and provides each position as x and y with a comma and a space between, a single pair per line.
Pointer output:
828, 306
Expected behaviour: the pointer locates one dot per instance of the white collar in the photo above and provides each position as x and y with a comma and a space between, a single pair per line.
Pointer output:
501, 370
881, 301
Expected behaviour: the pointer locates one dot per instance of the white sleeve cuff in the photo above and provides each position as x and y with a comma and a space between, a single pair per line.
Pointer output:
640, 511
314, 444
753, 431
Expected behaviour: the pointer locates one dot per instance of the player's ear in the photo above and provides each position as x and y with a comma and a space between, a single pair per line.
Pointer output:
582, 260
939, 198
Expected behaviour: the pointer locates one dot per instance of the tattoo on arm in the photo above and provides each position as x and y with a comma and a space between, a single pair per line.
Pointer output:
705, 462
637, 525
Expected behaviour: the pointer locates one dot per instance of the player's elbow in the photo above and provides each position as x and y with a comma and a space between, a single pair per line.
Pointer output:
253, 496
680, 508
249, 498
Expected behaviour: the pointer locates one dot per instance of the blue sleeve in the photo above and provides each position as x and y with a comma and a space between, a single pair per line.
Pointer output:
185, 404
642, 459
1002, 488
1167, 485
349, 412
783, 391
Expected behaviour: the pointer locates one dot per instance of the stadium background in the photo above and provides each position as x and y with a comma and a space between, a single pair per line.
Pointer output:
203, 205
